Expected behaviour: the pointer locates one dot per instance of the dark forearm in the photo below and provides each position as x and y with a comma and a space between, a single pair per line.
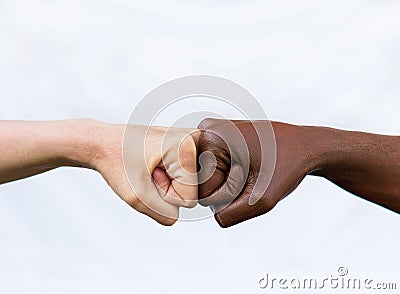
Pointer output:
367, 165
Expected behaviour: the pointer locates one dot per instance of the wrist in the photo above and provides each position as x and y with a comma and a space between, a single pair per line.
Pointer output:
83, 142
326, 148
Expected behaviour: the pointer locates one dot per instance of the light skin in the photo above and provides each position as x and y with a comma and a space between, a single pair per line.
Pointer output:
157, 175
366, 165
161, 180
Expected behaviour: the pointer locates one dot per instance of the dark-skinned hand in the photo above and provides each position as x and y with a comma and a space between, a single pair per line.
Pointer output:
247, 167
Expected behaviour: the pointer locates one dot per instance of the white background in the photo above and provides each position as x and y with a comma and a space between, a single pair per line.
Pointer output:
333, 63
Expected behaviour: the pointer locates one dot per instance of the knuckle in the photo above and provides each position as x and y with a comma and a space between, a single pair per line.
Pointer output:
168, 222
190, 203
221, 221
204, 201
188, 147
170, 219
205, 123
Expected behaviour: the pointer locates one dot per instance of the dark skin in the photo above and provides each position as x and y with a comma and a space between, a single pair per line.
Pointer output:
366, 165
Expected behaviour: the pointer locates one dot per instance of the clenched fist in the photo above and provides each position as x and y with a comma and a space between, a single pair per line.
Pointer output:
254, 163
247, 167
154, 171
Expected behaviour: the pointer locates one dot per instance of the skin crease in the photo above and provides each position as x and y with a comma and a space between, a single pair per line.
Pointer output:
28, 148
366, 165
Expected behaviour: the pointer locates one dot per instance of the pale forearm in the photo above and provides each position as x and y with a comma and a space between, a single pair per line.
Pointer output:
32, 147
28, 148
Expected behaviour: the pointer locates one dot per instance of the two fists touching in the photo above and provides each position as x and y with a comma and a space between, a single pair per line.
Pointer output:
244, 168
241, 169
157, 170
